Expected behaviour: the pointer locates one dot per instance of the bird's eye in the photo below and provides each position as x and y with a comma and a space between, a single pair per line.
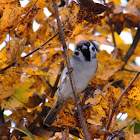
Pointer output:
76, 53
93, 48
88, 44
78, 48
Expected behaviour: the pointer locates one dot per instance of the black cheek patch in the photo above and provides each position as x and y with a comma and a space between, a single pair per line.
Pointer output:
93, 48
76, 53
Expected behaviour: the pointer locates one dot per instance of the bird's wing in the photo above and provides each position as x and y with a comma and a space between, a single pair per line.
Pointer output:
64, 76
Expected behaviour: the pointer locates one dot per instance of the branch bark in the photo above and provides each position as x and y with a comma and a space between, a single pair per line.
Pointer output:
1, 116
77, 101
118, 101
132, 47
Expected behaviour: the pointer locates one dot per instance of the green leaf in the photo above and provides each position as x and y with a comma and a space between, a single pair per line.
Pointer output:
137, 128
25, 131
130, 126
138, 106
24, 90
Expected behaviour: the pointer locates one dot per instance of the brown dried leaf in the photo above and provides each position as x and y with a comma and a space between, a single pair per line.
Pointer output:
133, 7
11, 15
89, 11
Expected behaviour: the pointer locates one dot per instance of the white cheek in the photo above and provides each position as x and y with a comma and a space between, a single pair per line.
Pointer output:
81, 56
92, 53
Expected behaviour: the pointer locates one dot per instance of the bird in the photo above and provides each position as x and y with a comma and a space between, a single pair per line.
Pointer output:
84, 64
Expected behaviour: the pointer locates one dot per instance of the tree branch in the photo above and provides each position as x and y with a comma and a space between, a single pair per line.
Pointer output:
32, 9
118, 101
41, 46
129, 70
132, 47
38, 48
1, 116
111, 27
39, 117
77, 101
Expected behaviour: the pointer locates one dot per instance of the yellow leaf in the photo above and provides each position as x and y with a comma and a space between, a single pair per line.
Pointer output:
99, 110
11, 104
134, 92
94, 119
40, 3
108, 67
11, 15
8, 83
66, 119
31, 71
118, 38
23, 91
125, 76
51, 101
3, 58
115, 1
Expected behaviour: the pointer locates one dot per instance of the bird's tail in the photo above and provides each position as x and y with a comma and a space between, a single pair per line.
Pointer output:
51, 116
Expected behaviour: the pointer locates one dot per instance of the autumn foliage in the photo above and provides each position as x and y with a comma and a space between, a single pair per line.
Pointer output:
31, 63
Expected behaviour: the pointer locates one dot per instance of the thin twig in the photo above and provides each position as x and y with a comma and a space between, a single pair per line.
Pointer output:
118, 101
41, 46
39, 117
13, 63
1, 116
132, 47
129, 123
129, 70
38, 48
119, 132
9, 66
111, 27
77, 101
46, 109
32, 9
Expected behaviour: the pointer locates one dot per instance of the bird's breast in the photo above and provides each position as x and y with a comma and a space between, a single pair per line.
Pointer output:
82, 74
